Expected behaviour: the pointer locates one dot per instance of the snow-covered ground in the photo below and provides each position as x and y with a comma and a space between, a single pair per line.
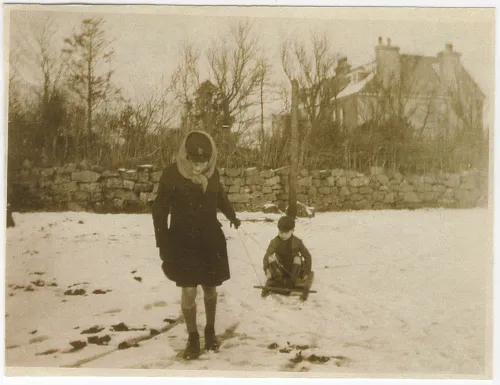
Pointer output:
399, 294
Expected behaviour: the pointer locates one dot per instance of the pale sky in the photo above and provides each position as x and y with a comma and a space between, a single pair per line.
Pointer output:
147, 41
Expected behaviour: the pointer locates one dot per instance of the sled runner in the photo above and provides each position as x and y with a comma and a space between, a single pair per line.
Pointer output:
302, 288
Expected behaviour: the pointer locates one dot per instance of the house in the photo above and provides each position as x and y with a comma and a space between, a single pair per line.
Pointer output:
435, 94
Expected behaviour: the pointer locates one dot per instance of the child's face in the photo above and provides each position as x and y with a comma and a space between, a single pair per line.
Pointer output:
284, 235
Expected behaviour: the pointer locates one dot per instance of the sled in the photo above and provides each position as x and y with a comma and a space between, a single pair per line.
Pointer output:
302, 288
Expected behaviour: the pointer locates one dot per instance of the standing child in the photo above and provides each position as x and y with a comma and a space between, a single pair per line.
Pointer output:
286, 258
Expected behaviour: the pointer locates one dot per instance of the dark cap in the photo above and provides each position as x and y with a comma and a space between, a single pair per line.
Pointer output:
286, 223
198, 147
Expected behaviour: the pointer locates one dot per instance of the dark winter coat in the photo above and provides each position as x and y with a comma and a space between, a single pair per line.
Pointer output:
286, 251
193, 247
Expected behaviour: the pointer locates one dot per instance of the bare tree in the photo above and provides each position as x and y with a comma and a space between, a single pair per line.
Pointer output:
312, 64
236, 65
185, 81
89, 55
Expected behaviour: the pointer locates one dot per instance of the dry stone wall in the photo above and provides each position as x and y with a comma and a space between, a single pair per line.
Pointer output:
79, 187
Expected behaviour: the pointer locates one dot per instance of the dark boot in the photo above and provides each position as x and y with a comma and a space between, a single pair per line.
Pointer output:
192, 350
294, 274
211, 342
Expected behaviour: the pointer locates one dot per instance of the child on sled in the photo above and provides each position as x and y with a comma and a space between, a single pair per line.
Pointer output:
287, 262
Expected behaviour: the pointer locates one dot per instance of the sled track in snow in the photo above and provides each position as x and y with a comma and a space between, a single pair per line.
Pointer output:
128, 342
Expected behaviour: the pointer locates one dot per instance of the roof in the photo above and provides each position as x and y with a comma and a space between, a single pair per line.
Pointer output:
354, 88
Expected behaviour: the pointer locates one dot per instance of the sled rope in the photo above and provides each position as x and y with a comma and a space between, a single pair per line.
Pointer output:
258, 244
248, 256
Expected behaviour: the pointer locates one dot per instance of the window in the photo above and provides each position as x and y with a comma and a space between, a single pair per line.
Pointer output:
341, 115
334, 115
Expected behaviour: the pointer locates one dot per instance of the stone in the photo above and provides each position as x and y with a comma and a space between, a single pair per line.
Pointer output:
349, 174
111, 174
344, 191
316, 174
411, 197
252, 171
238, 181
239, 198
44, 183
304, 173
96, 196
233, 172
429, 196
362, 205
155, 176
313, 191
118, 203
348, 205
406, 187
376, 170
62, 178
337, 172
47, 172
330, 181
389, 198
143, 176
145, 197
114, 183
69, 168
272, 181
365, 190
129, 184
468, 184
355, 197
266, 174
453, 181
325, 174
306, 181
414, 179
382, 179
130, 175
378, 196
341, 181
125, 195
143, 187
90, 187
324, 190
430, 179
267, 190
81, 196
359, 181
270, 197
67, 187
254, 180
84, 165
77, 207
316, 182
85, 176
234, 189
438, 188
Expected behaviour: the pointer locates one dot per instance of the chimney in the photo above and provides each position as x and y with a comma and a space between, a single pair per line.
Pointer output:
388, 63
449, 65
380, 40
342, 67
